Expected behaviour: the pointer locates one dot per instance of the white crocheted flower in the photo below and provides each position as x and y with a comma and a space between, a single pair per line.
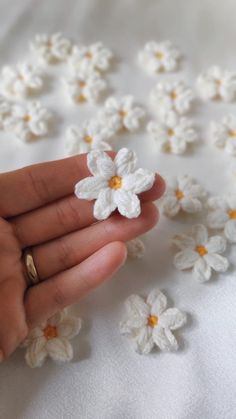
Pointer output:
201, 253
85, 87
222, 215
149, 323
91, 135
5, 110
135, 248
51, 48
51, 339
114, 184
182, 193
159, 56
93, 57
216, 83
21, 81
223, 134
173, 96
173, 134
28, 121
122, 113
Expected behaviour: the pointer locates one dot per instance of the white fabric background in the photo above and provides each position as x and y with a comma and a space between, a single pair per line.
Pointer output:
107, 380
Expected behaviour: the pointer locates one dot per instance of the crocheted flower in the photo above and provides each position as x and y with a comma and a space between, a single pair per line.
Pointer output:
223, 134
51, 339
21, 81
51, 48
216, 83
85, 87
149, 323
201, 253
182, 193
173, 134
93, 57
222, 215
159, 56
135, 248
114, 184
5, 110
28, 121
173, 96
122, 113
91, 135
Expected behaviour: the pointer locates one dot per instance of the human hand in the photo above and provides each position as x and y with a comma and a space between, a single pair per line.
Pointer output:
73, 253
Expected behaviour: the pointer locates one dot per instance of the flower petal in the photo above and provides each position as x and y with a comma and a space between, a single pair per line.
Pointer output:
100, 164
36, 353
59, 349
125, 161
69, 327
217, 262
201, 270
217, 218
230, 231
104, 205
128, 203
172, 318
191, 205
185, 259
182, 241
143, 342
164, 339
136, 307
216, 244
157, 301
90, 187
139, 181
200, 234
171, 206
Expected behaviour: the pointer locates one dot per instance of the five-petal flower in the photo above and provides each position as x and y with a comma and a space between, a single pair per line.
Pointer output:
216, 83
85, 86
135, 248
114, 184
21, 81
93, 57
222, 215
149, 323
51, 48
223, 134
159, 56
201, 253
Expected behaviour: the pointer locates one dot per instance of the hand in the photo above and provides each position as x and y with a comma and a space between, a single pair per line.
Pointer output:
73, 254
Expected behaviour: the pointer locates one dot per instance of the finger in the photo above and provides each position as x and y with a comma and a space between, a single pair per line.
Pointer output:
61, 254
64, 216
45, 299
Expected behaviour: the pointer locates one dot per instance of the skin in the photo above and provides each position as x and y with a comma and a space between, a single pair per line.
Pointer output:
73, 253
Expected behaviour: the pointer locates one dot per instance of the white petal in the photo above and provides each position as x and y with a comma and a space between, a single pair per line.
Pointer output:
171, 206
104, 205
217, 218
128, 203
135, 248
182, 241
185, 259
217, 262
216, 244
139, 181
136, 307
172, 318
230, 231
201, 270
36, 353
69, 327
143, 342
125, 161
60, 349
191, 205
100, 164
157, 301
164, 339
90, 187
200, 234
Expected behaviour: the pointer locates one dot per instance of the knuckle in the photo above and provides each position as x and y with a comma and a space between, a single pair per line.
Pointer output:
67, 214
39, 187
66, 254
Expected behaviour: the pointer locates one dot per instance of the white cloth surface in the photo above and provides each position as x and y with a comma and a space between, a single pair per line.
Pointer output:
107, 380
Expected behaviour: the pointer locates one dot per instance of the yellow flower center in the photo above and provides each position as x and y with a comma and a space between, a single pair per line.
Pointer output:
123, 114
202, 251
27, 118
167, 148
170, 132
82, 98
88, 55
88, 139
152, 320
232, 133
218, 82
50, 332
232, 213
159, 55
173, 95
179, 195
115, 182
82, 83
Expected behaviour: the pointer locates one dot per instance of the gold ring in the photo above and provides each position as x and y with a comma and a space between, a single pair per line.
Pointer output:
31, 271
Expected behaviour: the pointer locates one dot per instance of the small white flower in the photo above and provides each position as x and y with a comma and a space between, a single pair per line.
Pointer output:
122, 113
51, 48
85, 87
21, 81
28, 121
5, 110
223, 134
52, 339
182, 193
216, 83
149, 323
114, 184
173, 96
222, 215
91, 135
159, 56
173, 134
135, 248
200, 253
93, 57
